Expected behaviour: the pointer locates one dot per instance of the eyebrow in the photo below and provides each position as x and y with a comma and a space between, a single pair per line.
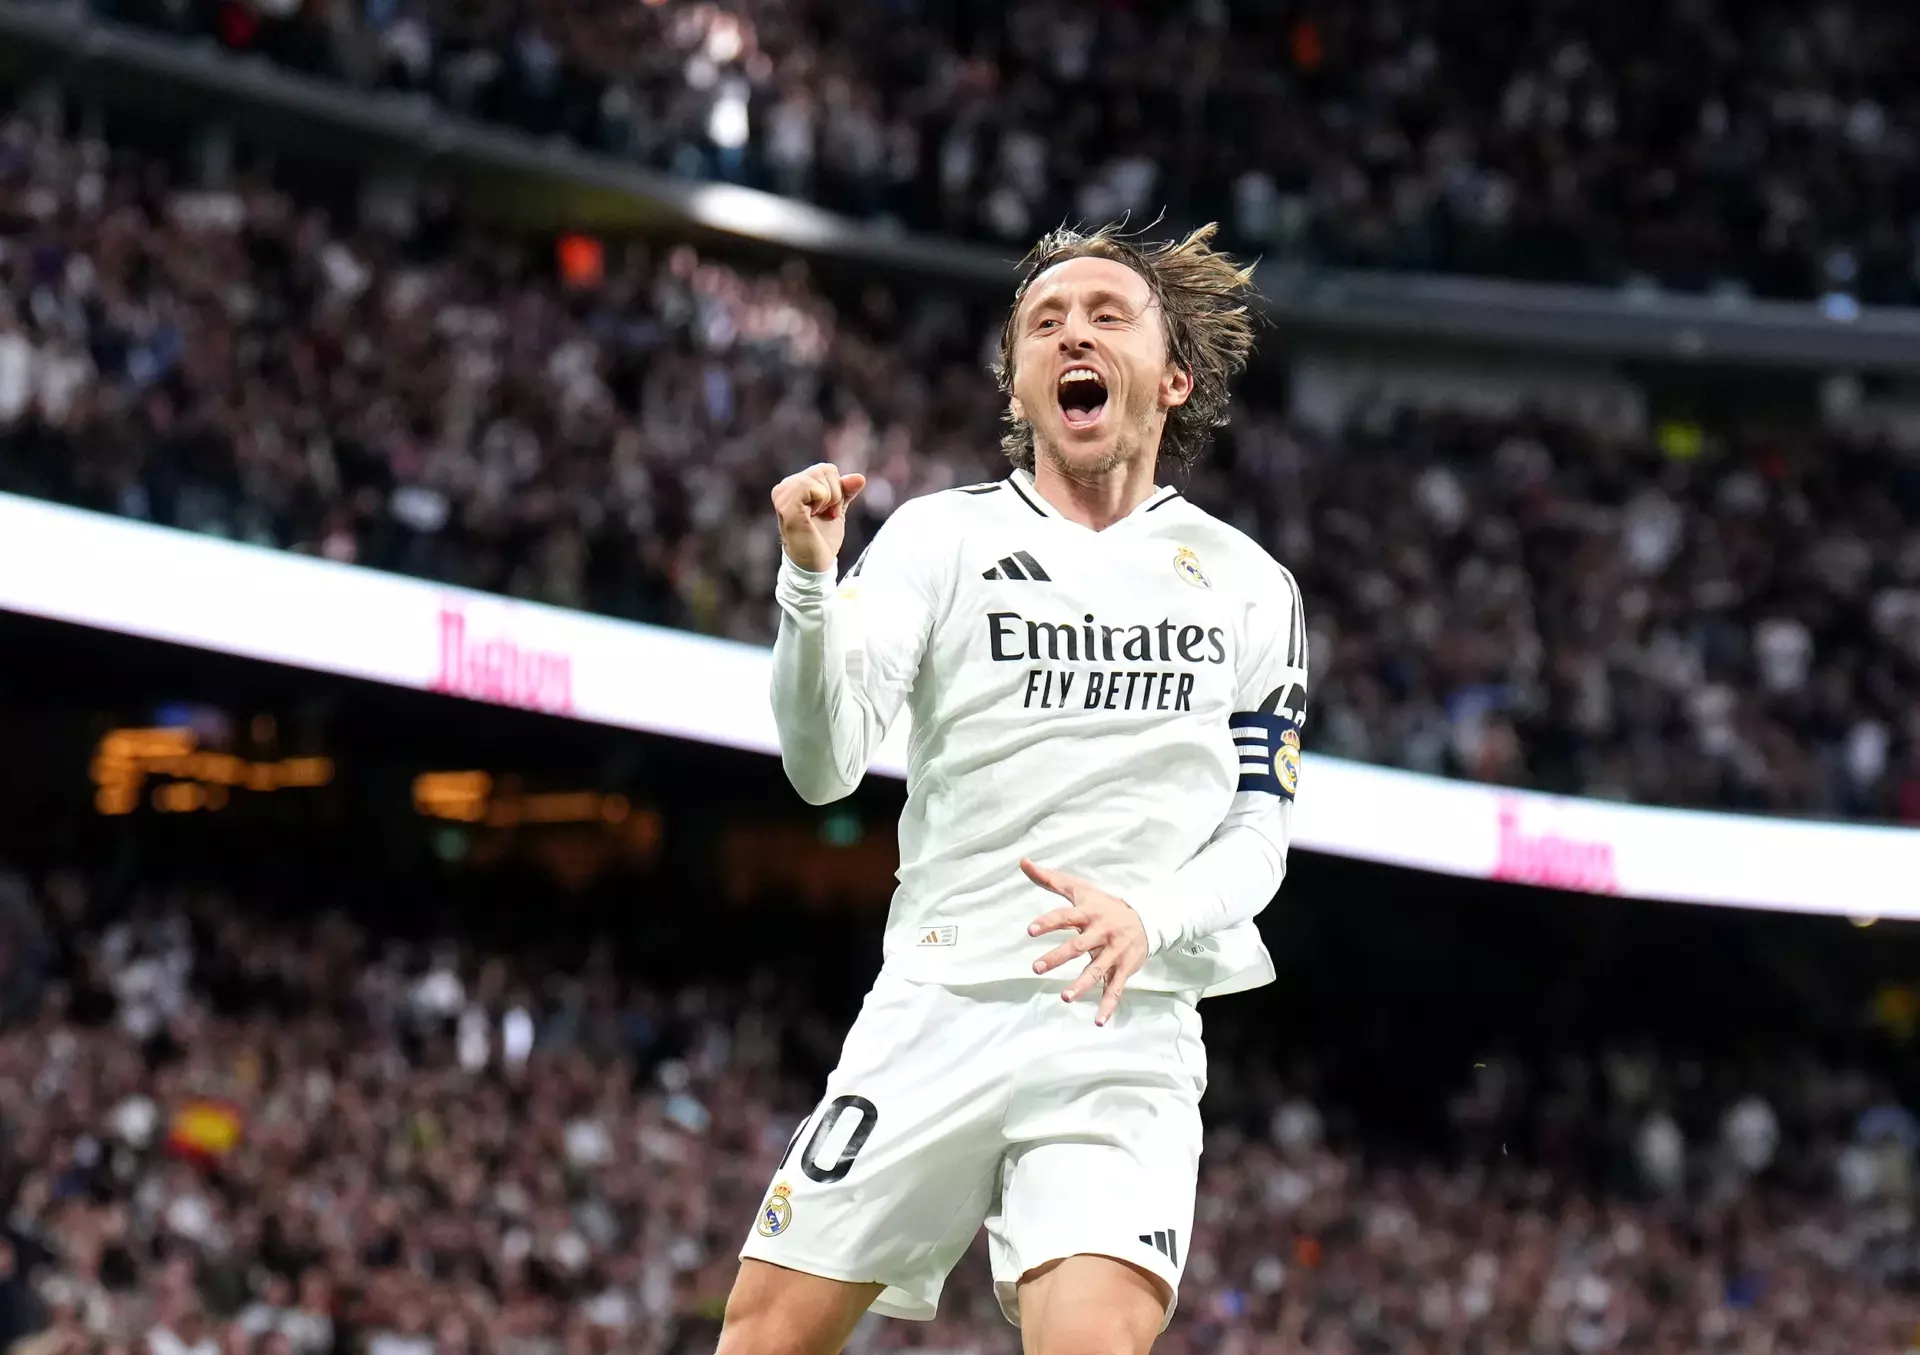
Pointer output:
1105, 296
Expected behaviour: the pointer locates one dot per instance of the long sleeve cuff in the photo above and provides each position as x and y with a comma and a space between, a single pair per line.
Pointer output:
1160, 913
797, 587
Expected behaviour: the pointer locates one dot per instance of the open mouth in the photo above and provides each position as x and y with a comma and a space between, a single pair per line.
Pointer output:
1083, 397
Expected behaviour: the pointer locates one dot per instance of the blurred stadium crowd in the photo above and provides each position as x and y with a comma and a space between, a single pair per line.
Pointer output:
228, 1131
1514, 598
225, 1132
1763, 147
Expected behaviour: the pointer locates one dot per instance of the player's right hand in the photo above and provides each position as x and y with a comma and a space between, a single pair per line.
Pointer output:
812, 509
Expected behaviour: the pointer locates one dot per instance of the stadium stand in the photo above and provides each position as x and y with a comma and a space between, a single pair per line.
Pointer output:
332, 1072
1755, 147
232, 1128
1731, 620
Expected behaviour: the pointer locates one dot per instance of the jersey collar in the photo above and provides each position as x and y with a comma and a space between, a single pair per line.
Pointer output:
1021, 482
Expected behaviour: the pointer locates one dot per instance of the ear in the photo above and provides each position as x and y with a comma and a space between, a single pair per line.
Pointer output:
1019, 410
1175, 386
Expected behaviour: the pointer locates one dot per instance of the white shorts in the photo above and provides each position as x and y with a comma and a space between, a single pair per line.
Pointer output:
997, 1104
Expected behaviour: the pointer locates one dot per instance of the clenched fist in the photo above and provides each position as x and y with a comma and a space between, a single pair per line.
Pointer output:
812, 509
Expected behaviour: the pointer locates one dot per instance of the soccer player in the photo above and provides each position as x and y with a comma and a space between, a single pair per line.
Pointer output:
1105, 687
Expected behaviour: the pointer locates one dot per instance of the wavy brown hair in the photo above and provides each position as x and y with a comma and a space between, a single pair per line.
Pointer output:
1203, 297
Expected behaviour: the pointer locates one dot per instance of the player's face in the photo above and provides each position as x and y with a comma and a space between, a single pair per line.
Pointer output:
1091, 374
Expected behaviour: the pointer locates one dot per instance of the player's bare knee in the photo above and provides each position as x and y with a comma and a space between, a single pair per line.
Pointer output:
1092, 1333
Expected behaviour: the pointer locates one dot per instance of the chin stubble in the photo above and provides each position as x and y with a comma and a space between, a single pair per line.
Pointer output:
1127, 445
1117, 455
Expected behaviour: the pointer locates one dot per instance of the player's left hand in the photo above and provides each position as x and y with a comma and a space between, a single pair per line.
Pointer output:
1112, 937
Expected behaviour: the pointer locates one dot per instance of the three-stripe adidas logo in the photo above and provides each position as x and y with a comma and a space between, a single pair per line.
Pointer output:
1018, 565
1166, 1242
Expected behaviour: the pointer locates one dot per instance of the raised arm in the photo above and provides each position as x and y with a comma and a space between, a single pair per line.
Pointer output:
846, 657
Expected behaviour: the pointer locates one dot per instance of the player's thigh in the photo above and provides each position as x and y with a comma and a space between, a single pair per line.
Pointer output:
776, 1311
1091, 1305
894, 1172
1105, 1156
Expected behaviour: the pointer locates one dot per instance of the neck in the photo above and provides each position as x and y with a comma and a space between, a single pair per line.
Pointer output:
1097, 499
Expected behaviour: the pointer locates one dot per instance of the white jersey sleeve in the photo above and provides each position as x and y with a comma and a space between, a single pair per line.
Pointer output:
1239, 870
846, 657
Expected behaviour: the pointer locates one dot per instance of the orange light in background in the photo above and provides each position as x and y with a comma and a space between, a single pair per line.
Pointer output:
127, 758
582, 260
178, 797
476, 797
459, 796
141, 745
305, 771
220, 769
563, 807
116, 799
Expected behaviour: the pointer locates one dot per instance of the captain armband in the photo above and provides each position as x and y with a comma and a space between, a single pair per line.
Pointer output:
1268, 741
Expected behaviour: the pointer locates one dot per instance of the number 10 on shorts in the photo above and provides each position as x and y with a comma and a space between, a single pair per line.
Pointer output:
776, 1215
827, 1126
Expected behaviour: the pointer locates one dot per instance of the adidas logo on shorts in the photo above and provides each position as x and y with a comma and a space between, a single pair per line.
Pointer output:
939, 936
1166, 1242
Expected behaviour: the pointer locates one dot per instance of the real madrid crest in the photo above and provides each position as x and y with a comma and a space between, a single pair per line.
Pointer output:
1187, 565
1286, 762
776, 1215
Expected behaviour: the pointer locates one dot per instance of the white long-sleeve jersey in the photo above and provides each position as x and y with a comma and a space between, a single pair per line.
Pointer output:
1124, 705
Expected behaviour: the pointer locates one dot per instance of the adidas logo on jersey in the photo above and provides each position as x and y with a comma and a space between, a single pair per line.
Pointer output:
1018, 565
939, 936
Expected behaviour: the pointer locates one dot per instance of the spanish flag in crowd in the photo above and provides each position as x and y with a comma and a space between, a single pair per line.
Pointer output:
205, 1129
